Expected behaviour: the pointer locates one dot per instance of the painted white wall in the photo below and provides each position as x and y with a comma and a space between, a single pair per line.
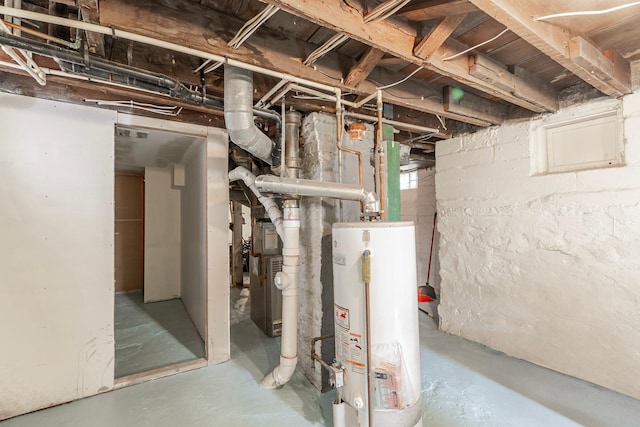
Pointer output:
218, 344
194, 238
56, 253
161, 235
419, 205
544, 268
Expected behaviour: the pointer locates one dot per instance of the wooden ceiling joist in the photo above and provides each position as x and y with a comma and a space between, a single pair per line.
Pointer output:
91, 13
337, 16
436, 8
456, 100
204, 29
437, 36
363, 68
608, 73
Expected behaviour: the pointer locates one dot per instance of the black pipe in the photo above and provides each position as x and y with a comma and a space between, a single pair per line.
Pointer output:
123, 74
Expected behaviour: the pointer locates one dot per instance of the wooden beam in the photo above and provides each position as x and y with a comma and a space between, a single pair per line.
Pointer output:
437, 36
363, 68
91, 14
494, 73
383, 35
464, 103
205, 29
577, 54
436, 8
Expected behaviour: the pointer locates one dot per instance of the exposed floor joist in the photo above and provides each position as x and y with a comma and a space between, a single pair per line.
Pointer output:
607, 71
437, 36
177, 24
91, 13
383, 35
436, 8
363, 68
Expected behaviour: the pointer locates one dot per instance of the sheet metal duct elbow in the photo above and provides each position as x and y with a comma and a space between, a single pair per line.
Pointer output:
238, 114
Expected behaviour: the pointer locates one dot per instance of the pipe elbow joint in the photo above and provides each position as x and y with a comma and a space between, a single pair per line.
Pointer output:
242, 174
371, 202
281, 374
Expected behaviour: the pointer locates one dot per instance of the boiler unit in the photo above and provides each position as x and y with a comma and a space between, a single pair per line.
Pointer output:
376, 325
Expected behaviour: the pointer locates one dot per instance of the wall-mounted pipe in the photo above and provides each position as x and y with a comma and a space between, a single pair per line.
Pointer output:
269, 204
238, 114
305, 187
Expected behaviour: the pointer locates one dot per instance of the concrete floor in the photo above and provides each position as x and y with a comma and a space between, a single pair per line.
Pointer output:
152, 335
464, 384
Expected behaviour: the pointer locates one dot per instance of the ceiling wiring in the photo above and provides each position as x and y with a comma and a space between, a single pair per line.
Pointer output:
476, 46
588, 12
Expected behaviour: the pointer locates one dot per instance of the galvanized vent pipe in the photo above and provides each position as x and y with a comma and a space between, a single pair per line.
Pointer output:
238, 114
306, 187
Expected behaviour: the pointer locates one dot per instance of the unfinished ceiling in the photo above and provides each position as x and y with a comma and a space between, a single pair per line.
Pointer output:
442, 64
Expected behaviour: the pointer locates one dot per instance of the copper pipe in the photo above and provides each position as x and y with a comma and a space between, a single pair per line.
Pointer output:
380, 179
366, 275
339, 130
316, 356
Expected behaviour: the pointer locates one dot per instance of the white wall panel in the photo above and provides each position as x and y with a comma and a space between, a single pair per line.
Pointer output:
56, 253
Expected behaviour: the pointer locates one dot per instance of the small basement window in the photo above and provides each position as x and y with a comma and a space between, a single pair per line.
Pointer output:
409, 180
587, 142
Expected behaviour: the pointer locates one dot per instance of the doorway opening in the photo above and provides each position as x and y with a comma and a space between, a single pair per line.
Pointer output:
160, 250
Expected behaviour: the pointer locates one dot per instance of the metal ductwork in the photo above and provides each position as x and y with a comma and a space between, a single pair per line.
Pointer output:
305, 187
238, 114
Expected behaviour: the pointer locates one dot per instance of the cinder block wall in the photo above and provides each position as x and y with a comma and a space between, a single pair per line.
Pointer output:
544, 268
419, 206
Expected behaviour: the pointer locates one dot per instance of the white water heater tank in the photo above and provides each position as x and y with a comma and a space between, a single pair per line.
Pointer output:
395, 346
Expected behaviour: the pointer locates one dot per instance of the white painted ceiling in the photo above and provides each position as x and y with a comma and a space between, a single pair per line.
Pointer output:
136, 149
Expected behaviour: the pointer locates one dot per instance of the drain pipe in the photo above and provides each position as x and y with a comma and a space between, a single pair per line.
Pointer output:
287, 281
242, 174
238, 114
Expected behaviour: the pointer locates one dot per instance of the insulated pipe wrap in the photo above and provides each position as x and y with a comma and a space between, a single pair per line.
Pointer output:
238, 114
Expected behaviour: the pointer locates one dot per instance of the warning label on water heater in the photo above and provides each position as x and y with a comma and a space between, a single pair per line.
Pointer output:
349, 345
342, 316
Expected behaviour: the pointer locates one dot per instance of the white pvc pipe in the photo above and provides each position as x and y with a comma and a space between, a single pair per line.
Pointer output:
269, 204
287, 280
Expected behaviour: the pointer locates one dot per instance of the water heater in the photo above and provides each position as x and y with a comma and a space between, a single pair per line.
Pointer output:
387, 252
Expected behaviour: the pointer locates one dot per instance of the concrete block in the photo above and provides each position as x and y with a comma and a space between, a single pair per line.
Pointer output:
465, 158
631, 105
513, 151
615, 178
448, 146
